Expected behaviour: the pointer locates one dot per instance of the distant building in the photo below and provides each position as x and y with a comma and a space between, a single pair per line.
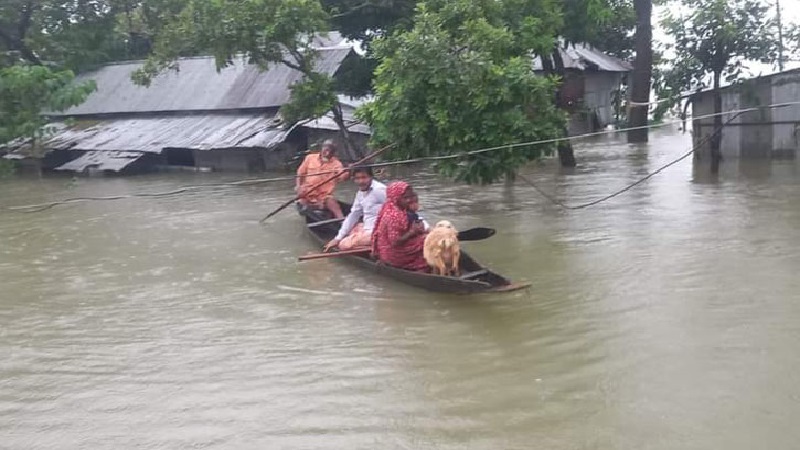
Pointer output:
591, 87
195, 117
766, 133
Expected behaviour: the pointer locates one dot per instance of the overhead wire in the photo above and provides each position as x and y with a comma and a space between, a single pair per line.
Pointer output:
631, 185
257, 181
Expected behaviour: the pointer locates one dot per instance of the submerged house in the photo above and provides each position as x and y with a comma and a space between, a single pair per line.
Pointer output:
763, 133
193, 116
591, 86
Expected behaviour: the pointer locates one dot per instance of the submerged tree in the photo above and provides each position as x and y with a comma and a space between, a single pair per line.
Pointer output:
461, 79
715, 38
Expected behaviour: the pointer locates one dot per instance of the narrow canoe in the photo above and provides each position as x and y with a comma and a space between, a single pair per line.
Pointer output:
475, 277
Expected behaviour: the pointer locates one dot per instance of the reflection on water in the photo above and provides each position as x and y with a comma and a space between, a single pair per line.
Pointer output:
665, 318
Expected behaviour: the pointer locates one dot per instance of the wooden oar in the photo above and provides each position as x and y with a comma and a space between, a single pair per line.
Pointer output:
473, 234
322, 183
355, 251
325, 222
476, 234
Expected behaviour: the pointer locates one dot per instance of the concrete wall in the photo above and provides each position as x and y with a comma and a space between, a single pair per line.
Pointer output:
767, 133
786, 130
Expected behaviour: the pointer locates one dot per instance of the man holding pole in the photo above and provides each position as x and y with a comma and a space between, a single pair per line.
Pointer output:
312, 189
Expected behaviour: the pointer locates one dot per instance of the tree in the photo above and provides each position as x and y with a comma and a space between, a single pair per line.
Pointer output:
642, 71
42, 42
715, 39
461, 79
26, 90
601, 23
77, 35
791, 40
16, 18
364, 20
264, 32
604, 24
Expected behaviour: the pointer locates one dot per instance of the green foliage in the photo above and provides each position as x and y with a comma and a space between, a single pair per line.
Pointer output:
78, 35
460, 80
792, 41
364, 20
312, 97
605, 24
27, 90
264, 32
42, 44
714, 37
354, 77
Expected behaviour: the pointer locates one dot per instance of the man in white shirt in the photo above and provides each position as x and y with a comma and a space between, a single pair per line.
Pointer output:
368, 203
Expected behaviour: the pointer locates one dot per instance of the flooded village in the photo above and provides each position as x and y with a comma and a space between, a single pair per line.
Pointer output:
646, 296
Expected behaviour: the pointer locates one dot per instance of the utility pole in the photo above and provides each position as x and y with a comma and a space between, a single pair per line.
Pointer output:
780, 35
642, 71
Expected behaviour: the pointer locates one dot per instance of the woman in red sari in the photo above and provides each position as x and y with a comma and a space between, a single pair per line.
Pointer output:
397, 240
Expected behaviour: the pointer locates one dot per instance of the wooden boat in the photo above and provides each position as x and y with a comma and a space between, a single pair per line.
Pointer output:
475, 278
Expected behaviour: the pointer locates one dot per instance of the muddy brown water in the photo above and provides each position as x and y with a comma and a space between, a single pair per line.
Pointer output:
666, 318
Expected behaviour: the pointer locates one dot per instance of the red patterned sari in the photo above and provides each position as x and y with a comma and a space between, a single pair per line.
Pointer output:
393, 223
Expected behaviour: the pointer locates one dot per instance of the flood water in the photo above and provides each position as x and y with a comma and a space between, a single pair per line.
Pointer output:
666, 318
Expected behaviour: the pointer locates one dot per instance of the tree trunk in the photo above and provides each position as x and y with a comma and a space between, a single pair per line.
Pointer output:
349, 147
566, 155
18, 45
642, 71
716, 139
15, 40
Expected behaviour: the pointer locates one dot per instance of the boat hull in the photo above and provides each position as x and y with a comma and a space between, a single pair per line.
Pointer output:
484, 279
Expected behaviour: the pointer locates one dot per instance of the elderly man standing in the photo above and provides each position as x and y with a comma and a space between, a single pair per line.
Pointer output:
317, 167
368, 203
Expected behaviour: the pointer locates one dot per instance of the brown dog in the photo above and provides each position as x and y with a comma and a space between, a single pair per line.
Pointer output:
442, 250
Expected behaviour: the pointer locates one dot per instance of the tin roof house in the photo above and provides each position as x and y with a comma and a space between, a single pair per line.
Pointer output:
193, 116
591, 86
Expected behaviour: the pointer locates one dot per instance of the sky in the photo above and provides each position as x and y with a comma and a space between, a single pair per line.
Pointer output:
790, 13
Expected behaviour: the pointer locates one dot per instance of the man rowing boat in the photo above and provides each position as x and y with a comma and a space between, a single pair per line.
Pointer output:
399, 233
315, 168
369, 200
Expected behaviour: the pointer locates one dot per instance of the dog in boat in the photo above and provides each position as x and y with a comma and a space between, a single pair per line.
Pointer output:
441, 249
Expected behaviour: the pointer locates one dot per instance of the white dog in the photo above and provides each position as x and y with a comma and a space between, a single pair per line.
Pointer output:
441, 250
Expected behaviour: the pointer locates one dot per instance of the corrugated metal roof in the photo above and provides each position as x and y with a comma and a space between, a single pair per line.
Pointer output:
586, 57
197, 85
113, 161
326, 122
327, 39
152, 135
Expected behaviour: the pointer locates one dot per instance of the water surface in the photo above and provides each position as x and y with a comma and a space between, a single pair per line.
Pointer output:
666, 318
